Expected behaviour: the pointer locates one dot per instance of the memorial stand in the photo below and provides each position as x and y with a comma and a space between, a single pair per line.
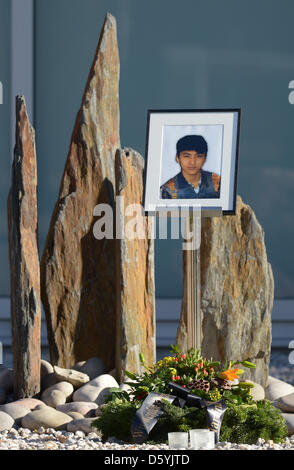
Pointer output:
193, 274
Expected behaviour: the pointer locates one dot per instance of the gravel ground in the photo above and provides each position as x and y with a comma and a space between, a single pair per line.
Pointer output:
49, 439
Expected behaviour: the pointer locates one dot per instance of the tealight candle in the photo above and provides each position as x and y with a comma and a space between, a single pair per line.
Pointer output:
201, 439
178, 440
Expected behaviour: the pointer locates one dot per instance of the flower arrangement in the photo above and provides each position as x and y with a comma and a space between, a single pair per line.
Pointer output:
202, 377
244, 420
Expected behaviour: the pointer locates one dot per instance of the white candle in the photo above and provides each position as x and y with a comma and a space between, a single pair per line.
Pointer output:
178, 440
202, 439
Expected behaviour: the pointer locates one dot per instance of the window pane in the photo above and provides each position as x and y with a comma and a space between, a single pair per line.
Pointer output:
4, 142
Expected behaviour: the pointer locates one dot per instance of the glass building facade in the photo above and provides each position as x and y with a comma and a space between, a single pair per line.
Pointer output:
185, 55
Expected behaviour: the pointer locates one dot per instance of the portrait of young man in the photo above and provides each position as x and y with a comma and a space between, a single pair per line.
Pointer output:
192, 181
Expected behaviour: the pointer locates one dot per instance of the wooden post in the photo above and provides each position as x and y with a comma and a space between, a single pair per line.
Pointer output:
194, 320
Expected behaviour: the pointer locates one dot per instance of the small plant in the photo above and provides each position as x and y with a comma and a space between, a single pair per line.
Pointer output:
115, 419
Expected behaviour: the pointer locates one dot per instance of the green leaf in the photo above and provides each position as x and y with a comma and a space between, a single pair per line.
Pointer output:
175, 349
234, 398
130, 375
115, 390
248, 364
247, 385
142, 359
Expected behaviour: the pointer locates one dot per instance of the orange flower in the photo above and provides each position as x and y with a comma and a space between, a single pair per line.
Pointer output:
230, 374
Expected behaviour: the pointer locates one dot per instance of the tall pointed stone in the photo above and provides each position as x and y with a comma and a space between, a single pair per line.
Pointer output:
135, 269
24, 259
237, 292
77, 270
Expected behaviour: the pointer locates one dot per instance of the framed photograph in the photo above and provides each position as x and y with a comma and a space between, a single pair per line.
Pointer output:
191, 160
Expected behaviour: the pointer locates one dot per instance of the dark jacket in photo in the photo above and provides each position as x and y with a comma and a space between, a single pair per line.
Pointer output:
179, 188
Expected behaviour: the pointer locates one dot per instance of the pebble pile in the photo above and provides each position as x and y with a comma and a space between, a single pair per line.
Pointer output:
60, 417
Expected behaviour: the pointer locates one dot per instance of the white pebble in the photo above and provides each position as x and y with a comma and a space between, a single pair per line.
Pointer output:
70, 441
92, 435
50, 431
260, 441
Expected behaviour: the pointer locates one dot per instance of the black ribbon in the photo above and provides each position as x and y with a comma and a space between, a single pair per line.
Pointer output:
148, 414
150, 411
